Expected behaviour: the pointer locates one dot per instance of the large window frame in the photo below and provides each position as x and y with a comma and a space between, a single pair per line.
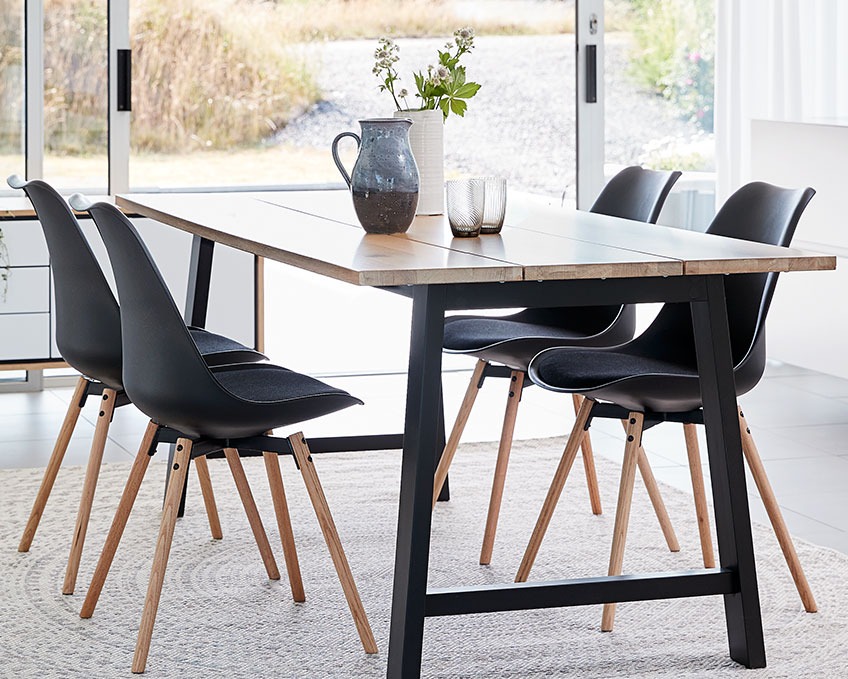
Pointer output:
589, 124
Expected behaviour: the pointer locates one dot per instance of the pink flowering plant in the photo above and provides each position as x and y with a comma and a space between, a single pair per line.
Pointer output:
443, 86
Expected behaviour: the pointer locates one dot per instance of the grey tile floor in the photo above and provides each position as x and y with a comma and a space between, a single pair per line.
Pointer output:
799, 420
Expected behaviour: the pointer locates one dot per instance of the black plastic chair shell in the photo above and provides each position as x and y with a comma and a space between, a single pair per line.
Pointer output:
657, 371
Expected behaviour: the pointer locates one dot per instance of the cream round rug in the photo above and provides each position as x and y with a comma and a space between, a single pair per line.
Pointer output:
221, 617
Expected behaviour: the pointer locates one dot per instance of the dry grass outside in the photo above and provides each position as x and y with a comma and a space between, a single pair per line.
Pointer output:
307, 20
214, 75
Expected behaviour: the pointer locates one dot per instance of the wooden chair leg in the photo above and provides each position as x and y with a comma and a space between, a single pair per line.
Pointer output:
656, 498
554, 491
281, 509
202, 467
701, 512
92, 472
179, 471
589, 463
334, 544
622, 511
516, 383
458, 428
781, 531
56, 457
252, 512
657, 501
122, 514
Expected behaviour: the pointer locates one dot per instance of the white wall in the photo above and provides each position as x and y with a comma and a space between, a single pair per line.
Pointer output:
808, 322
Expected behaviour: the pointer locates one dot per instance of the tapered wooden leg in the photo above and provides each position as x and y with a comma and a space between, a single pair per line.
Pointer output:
202, 468
589, 463
701, 512
458, 428
622, 510
334, 544
92, 472
252, 512
56, 457
758, 471
516, 383
281, 509
555, 490
657, 501
656, 498
122, 514
179, 471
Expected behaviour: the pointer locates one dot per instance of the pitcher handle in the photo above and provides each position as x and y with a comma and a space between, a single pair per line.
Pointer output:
336, 159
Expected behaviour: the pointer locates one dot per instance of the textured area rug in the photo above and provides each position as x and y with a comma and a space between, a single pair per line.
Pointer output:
221, 617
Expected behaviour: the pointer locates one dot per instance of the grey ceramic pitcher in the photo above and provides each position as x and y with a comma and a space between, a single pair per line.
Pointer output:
384, 181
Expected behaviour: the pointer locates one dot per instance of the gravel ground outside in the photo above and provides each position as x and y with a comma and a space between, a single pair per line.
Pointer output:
520, 125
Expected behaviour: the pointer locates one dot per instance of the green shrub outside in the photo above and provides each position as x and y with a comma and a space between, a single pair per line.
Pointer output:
674, 54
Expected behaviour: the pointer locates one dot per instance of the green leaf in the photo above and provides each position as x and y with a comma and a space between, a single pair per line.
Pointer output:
445, 103
467, 91
458, 106
419, 83
459, 77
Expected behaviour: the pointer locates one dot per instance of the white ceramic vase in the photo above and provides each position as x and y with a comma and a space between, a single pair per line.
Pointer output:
427, 139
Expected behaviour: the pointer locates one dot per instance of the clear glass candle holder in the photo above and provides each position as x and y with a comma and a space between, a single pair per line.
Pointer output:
465, 203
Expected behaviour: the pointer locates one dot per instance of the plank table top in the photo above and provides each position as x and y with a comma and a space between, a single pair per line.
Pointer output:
318, 231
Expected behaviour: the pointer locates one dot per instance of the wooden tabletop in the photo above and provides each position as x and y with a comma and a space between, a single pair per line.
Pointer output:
318, 231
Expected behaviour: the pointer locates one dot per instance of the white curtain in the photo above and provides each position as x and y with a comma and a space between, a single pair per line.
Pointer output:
779, 60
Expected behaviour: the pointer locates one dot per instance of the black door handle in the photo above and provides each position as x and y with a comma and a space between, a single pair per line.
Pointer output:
591, 74
124, 80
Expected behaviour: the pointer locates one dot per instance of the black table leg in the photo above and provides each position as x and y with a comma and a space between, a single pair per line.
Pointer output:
196, 305
733, 522
199, 280
416, 484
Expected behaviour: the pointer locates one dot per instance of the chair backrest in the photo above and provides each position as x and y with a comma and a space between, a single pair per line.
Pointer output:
757, 212
635, 193
88, 320
164, 374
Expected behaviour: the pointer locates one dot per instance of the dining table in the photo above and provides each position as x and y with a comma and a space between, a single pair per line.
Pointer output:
545, 256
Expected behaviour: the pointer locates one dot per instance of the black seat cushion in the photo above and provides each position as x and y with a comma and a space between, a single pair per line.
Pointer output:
514, 340
266, 396
634, 380
220, 350
639, 383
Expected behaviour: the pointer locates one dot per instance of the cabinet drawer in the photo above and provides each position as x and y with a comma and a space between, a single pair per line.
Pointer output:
24, 337
25, 243
27, 291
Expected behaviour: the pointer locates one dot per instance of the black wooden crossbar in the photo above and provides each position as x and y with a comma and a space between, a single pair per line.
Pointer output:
579, 592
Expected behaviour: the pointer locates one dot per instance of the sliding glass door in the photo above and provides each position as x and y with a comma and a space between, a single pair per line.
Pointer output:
653, 92
75, 99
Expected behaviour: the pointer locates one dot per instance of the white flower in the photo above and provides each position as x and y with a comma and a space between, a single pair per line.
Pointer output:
464, 37
404, 93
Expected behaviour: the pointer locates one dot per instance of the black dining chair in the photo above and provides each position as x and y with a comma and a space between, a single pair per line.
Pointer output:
654, 378
88, 335
206, 409
505, 345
